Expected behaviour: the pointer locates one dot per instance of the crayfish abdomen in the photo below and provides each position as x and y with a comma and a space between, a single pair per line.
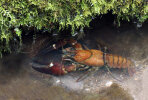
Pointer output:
115, 61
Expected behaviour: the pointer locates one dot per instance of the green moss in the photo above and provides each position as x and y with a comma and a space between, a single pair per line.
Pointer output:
61, 14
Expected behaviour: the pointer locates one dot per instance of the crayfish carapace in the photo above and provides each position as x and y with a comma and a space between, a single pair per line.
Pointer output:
74, 57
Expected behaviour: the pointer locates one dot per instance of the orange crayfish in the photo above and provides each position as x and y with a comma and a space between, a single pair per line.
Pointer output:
97, 58
73, 57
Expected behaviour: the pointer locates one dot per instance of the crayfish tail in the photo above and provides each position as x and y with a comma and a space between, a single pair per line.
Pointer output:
115, 61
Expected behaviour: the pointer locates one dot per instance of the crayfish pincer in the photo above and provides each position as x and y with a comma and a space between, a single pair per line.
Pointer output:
50, 60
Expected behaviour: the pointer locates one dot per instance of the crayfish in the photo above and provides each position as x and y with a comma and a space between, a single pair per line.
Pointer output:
74, 57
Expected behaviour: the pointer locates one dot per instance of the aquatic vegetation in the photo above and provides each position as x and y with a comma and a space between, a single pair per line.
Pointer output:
61, 14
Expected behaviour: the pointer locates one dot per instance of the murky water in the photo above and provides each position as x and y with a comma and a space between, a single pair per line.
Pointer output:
18, 81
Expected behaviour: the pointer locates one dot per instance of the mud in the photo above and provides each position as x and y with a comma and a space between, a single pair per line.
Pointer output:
18, 81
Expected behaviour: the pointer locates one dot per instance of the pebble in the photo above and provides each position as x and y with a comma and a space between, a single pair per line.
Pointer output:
58, 81
108, 84
87, 89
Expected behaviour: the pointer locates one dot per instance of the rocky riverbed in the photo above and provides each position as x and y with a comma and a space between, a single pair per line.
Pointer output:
18, 81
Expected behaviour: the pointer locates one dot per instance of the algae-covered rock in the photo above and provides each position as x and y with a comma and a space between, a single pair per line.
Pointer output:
60, 14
